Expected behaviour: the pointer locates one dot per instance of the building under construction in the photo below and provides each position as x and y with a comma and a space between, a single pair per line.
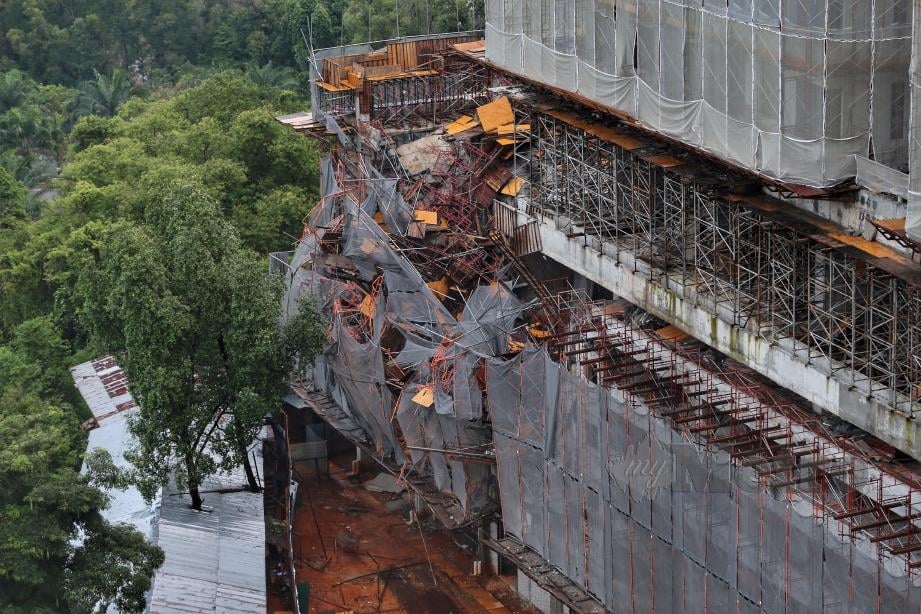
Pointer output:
627, 291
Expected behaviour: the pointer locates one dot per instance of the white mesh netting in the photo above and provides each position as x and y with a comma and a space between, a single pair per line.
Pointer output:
790, 88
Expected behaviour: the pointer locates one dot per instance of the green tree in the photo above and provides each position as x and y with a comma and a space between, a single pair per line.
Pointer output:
114, 566
12, 194
92, 130
104, 94
39, 345
198, 318
269, 76
44, 505
15, 89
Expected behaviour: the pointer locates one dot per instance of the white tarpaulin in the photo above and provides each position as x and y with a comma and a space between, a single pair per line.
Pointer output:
793, 89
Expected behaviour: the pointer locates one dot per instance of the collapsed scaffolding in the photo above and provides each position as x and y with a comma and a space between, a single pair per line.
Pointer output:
648, 468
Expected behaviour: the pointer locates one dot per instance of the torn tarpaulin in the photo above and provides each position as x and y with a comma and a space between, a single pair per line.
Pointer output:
357, 369
488, 320
433, 437
404, 362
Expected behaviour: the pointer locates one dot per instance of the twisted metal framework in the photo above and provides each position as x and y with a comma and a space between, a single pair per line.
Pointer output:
842, 313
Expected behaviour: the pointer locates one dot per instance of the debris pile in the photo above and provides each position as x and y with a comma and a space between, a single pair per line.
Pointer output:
418, 295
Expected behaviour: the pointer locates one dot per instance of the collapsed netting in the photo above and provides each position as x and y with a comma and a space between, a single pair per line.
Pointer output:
790, 88
400, 360
682, 485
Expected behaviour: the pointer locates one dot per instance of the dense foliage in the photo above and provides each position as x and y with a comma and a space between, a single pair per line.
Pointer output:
143, 180
66, 42
150, 243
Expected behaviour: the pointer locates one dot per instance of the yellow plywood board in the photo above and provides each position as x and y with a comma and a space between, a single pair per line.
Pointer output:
672, 333
896, 224
329, 87
513, 186
404, 75
368, 306
496, 113
869, 247
539, 333
425, 396
427, 217
458, 126
505, 142
439, 287
509, 129
478, 45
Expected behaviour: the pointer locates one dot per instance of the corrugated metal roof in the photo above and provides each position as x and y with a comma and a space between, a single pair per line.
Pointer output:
215, 559
104, 388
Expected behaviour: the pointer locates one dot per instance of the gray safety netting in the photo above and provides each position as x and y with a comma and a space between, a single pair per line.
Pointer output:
793, 89
426, 430
648, 521
401, 331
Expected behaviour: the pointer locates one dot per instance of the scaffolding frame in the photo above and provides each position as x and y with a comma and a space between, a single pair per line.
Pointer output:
844, 315
739, 413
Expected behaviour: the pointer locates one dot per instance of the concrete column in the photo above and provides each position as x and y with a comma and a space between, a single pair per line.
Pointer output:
913, 220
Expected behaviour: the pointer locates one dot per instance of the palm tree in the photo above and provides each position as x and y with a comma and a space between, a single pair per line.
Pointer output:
103, 95
269, 76
25, 168
14, 90
25, 129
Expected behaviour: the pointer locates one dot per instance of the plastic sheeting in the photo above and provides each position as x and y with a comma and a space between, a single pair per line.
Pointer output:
426, 430
880, 178
351, 369
648, 521
772, 85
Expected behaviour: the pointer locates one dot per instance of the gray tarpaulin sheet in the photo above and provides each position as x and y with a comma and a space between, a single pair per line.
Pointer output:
650, 522
358, 370
793, 89
424, 428
351, 372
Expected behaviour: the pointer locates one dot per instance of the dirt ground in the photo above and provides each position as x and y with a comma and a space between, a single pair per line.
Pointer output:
360, 555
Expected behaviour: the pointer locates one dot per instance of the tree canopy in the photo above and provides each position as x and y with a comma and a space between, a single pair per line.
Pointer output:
197, 315
68, 42
153, 248
53, 540
143, 181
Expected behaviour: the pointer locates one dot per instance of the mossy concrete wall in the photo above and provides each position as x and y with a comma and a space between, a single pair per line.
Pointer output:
787, 368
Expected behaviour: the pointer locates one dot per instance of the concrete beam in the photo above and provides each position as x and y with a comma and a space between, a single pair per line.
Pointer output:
832, 393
